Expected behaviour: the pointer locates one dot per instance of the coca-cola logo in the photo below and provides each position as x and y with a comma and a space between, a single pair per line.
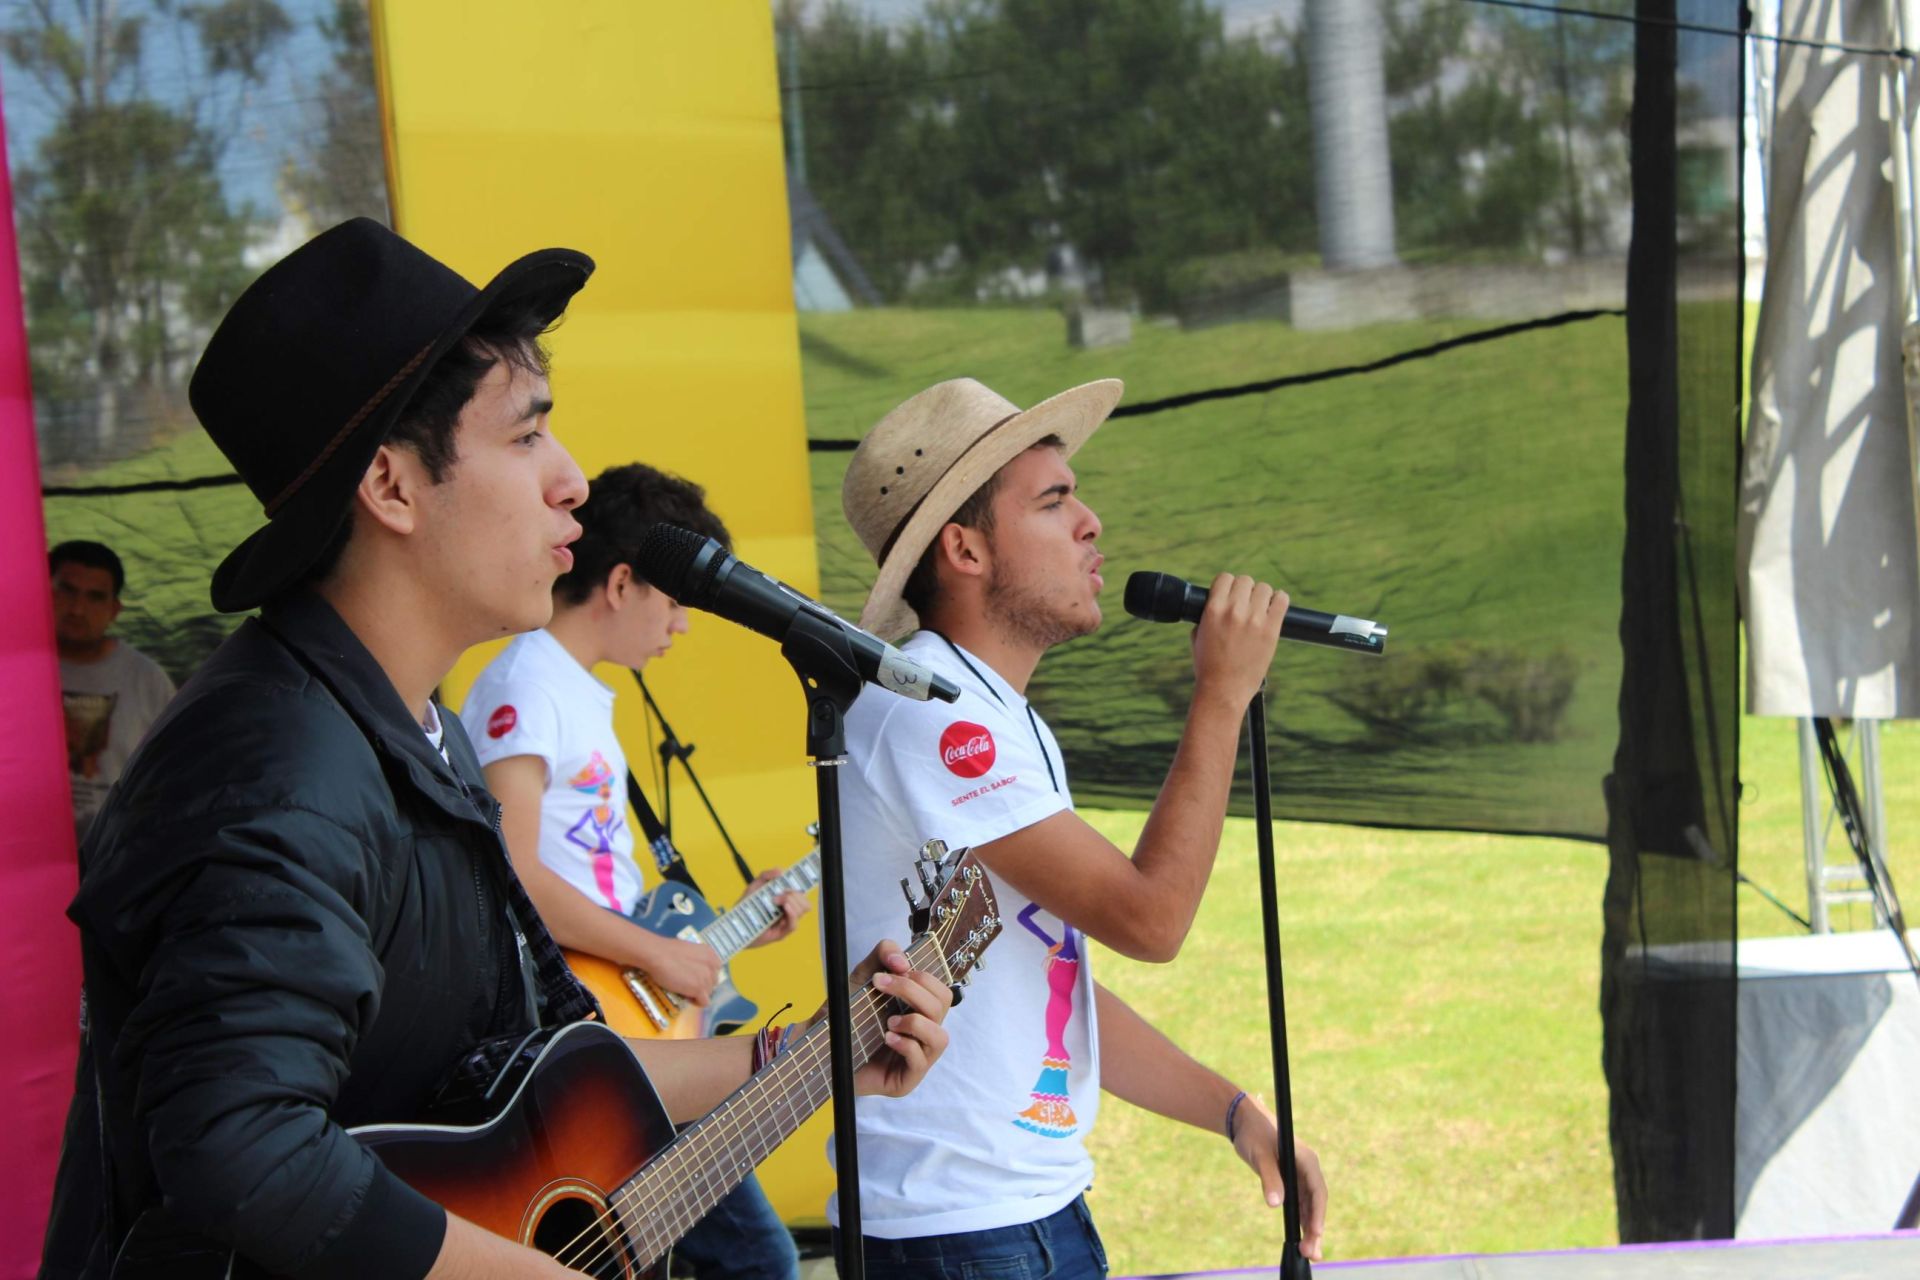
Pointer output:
501, 722
966, 749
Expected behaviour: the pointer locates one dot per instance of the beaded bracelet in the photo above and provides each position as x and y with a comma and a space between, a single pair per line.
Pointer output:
1232, 1107
767, 1046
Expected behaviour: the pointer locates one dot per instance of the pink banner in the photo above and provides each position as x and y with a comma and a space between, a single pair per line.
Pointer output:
39, 950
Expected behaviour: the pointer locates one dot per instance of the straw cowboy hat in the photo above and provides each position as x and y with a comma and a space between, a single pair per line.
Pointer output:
308, 372
928, 456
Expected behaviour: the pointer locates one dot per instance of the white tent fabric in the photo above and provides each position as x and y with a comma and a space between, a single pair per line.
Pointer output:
1830, 571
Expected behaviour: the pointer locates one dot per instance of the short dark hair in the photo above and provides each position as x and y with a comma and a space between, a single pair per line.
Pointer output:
622, 503
922, 589
94, 555
430, 418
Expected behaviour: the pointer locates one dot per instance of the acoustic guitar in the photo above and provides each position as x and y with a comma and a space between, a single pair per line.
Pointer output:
635, 1005
582, 1162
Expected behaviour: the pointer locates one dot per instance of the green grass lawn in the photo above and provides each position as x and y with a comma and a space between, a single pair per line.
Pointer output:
1472, 501
1443, 1002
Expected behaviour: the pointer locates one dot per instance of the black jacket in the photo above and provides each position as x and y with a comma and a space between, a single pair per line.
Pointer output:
295, 919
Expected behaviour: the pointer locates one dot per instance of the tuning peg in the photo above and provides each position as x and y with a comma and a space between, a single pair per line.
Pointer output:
906, 890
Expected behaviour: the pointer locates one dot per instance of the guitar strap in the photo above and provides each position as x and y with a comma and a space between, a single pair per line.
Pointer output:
667, 858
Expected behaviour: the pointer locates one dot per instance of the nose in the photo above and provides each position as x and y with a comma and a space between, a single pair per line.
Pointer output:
1089, 523
568, 488
677, 620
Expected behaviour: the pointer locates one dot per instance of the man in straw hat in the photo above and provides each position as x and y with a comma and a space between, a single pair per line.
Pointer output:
968, 505
295, 912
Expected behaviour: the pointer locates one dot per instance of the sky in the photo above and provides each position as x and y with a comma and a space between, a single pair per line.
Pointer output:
264, 125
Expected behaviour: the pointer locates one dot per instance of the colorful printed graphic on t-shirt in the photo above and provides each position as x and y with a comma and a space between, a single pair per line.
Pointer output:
1050, 1111
598, 825
89, 727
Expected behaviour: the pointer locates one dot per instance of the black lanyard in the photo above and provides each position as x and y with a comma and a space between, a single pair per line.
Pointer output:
1033, 721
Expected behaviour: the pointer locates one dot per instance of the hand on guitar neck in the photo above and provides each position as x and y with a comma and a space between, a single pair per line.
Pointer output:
791, 904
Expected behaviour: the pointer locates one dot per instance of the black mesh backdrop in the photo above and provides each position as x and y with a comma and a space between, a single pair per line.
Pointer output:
1668, 968
1420, 419
1428, 432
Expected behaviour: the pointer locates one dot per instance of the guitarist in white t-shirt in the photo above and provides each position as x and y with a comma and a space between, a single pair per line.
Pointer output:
543, 730
969, 507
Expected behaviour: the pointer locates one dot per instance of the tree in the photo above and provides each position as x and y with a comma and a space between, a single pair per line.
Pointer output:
130, 248
1507, 135
346, 177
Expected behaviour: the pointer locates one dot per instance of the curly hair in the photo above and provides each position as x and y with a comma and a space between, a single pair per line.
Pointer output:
622, 503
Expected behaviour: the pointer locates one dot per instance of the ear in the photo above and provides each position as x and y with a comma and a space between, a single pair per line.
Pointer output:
391, 490
114, 611
964, 550
620, 586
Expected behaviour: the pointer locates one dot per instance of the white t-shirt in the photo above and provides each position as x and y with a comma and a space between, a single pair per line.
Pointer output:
534, 699
110, 705
996, 1134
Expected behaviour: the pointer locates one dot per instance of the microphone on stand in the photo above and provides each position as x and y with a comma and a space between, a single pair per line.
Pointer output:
1161, 597
700, 573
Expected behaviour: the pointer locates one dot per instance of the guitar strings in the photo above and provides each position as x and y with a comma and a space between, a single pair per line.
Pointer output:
727, 1150
669, 1210
604, 1238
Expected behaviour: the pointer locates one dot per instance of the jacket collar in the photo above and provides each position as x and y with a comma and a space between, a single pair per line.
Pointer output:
323, 642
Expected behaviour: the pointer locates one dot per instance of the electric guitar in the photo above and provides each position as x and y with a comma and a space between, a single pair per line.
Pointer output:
582, 1162
635, 1005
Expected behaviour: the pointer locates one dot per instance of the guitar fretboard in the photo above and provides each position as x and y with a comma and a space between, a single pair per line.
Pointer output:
733, 930
715, 1155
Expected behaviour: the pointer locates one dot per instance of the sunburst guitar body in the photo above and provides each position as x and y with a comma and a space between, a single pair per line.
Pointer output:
581, 1161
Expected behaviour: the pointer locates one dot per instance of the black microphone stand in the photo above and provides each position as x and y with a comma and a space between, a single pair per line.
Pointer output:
818, 651
1293, 1263
671, 749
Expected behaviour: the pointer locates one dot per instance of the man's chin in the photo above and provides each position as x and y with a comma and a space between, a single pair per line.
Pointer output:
530, 616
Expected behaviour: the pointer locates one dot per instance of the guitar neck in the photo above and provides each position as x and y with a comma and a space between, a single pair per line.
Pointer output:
715, 1154
734, 929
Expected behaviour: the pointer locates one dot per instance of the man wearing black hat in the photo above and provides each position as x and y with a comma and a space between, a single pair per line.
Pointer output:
295, 912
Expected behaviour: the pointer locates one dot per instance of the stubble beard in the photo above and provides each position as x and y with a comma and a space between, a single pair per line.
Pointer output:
1028, 616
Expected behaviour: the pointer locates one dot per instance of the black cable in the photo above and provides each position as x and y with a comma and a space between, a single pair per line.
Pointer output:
1702, 28
140, 486
1190, 398
1846, 804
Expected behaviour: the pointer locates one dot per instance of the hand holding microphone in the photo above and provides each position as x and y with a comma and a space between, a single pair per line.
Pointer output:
1233, 647
1161, 597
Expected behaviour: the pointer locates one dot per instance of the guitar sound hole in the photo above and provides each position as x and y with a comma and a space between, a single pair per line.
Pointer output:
576, 1232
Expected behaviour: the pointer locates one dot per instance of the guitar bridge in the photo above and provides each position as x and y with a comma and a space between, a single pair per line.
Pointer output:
659, 1006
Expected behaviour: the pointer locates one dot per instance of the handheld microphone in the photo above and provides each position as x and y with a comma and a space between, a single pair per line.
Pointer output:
1161, 597
698, 572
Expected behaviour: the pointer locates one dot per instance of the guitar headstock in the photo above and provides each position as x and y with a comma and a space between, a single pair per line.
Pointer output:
959, 912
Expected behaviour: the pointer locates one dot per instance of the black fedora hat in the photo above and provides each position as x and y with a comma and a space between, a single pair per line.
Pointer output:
311, 367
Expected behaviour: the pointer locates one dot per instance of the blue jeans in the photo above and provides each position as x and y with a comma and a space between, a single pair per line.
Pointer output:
1064, 1246
741, 1238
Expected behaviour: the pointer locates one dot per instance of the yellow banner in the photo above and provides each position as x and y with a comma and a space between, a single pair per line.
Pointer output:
648, 135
